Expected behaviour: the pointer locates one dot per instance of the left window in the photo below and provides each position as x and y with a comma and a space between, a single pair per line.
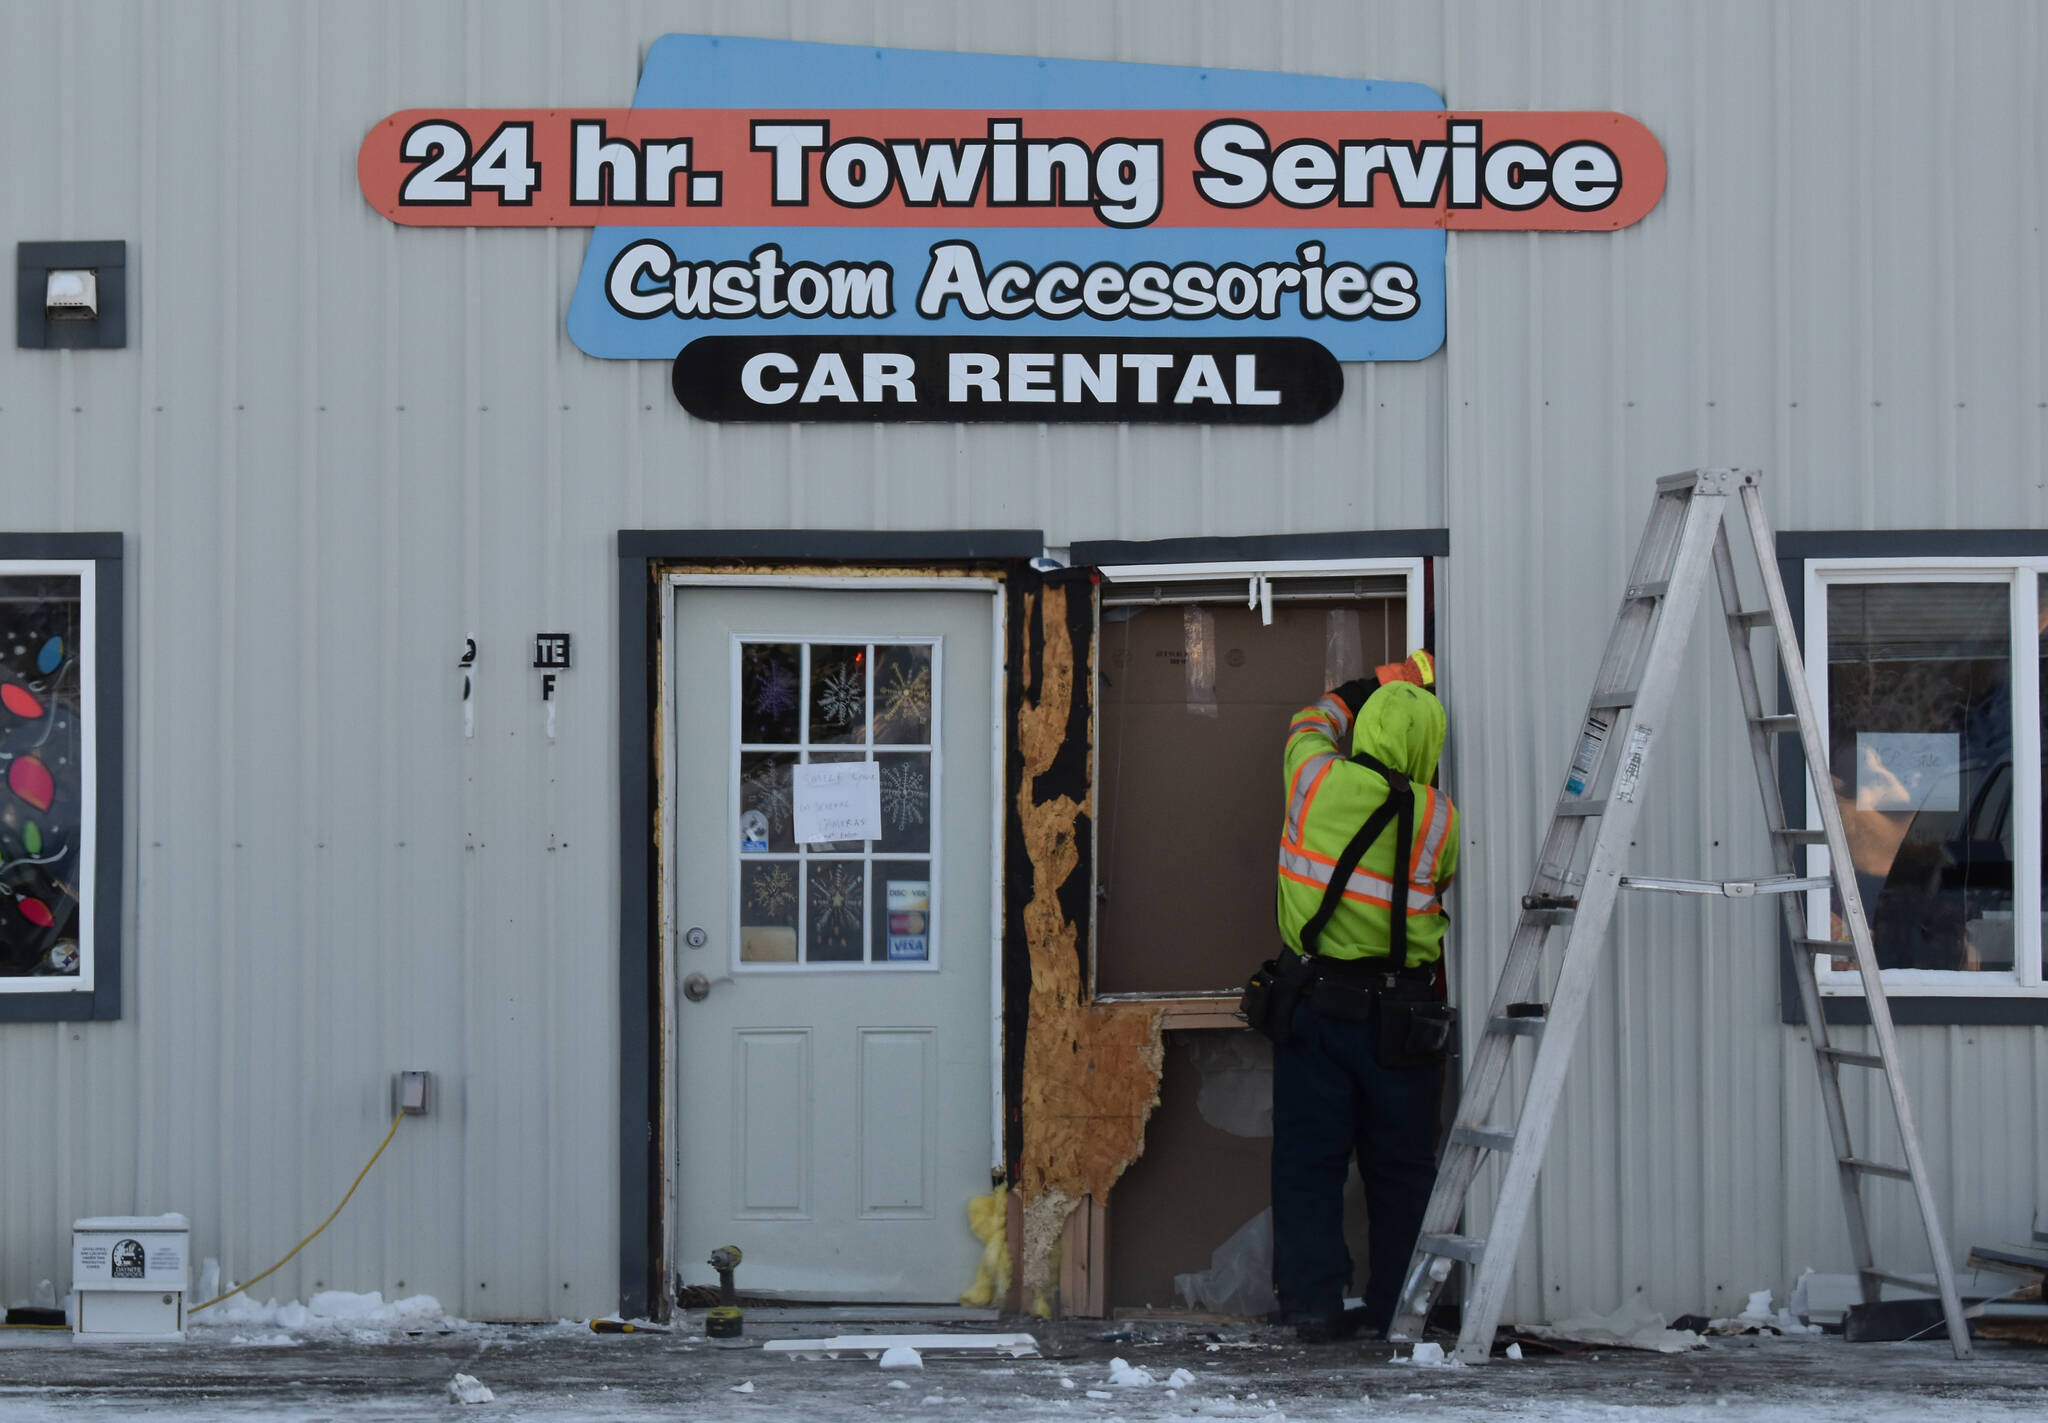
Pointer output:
60, 779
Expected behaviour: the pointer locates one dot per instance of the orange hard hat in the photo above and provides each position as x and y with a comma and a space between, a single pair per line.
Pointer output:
1419, 668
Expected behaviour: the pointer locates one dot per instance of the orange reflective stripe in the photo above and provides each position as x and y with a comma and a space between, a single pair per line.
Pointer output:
1306, 867
1430, 844
1304, 792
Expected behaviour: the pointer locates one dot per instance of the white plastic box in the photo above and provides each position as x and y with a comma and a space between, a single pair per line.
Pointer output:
129, 1275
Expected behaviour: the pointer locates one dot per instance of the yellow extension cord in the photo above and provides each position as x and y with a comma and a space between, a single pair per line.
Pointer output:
316, 1232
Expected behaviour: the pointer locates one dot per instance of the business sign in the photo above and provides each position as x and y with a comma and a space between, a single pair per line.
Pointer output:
1229, 379
771, 189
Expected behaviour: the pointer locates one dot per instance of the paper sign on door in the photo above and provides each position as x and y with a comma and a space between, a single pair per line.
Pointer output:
837, 802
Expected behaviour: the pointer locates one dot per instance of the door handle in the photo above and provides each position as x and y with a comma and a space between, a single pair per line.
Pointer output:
696, 988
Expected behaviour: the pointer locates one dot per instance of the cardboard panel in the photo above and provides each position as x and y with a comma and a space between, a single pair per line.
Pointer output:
1193, 717
1203, 1131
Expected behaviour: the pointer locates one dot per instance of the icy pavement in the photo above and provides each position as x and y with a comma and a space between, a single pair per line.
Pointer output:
359, 1360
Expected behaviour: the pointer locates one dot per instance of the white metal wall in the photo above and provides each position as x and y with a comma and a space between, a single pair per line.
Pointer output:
339, 447
1842, 285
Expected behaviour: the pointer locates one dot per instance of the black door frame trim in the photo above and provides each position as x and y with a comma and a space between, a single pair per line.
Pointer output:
643, 554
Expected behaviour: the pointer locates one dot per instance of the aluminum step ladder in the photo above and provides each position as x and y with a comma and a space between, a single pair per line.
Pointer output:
1685, 540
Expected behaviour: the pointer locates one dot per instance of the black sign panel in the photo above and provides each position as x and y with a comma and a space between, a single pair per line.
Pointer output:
1254, 380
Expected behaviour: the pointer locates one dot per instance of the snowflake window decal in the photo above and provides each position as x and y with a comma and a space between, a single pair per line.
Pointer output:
773, 891
842, 696
836, 903
767, 790
774, 689
904, 699
903, 795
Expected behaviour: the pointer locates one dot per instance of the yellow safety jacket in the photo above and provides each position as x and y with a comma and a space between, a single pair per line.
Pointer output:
1329, 796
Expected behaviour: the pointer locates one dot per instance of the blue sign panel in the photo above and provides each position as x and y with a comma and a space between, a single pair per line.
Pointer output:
645, 292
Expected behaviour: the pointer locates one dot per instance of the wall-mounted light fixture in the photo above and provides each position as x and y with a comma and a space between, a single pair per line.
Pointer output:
71, 295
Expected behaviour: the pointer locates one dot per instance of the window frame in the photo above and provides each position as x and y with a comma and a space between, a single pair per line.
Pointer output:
869, 856
1413, 569
1811, 563
95, 995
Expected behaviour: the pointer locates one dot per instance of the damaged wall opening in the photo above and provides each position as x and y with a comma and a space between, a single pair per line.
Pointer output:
1199, 672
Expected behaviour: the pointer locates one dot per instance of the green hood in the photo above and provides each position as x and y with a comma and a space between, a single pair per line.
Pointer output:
1402, 726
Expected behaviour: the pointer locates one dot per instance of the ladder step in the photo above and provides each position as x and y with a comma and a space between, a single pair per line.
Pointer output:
1581, 807
1801, 835
1643, 592
1453, 1247
1777, 724
1826, 946
1752, 617
1625, 697
1485, 1138
1877, 1168
1732, 888
1849, 1057
1517, 1027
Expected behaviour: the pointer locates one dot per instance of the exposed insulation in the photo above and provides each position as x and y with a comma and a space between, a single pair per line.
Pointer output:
1091, 1071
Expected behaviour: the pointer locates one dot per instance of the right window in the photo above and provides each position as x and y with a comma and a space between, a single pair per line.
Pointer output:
1927, 676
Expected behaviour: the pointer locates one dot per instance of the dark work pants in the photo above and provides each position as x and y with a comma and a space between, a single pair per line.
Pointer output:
1331, 1098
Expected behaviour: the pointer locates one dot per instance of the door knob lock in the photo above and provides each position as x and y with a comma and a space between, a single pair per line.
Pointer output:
696, 988
694, 937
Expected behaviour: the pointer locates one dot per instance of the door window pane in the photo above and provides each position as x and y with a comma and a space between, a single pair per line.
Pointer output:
834, 901
1920, 736
766, 819
902, 911
906, 802
903, 695
839, 695
770, 692
768, 893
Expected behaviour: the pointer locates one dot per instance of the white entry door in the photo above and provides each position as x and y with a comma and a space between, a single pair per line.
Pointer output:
834, 1106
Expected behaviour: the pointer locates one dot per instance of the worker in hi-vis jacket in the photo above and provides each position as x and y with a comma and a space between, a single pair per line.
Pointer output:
1359, 1064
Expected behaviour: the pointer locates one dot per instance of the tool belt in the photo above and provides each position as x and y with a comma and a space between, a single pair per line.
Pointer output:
1414, 1027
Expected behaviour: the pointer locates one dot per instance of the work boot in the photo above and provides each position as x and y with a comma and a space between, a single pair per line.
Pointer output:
1335, 1328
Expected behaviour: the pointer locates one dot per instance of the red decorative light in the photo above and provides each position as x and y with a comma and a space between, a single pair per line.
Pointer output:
30, 779
20, 700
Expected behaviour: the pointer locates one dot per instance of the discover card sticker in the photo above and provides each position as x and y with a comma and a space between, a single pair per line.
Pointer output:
910, 913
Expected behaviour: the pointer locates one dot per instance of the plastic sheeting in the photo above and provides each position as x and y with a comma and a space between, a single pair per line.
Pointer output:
1239, 1279
1236, 1094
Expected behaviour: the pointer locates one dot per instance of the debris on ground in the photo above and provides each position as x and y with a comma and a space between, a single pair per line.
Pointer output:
902, 1356
1630, 1327
1758, 1317
873, 1346
1427, 1354
465, 1389
1123, 1375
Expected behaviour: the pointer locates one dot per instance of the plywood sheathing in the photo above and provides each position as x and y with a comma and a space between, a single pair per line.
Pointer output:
1091, 1071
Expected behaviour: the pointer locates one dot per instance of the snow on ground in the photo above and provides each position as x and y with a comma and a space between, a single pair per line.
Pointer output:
366, 1318
358, 1357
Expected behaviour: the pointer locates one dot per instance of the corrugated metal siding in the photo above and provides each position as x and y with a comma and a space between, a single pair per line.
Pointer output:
340, 447
1843, 286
